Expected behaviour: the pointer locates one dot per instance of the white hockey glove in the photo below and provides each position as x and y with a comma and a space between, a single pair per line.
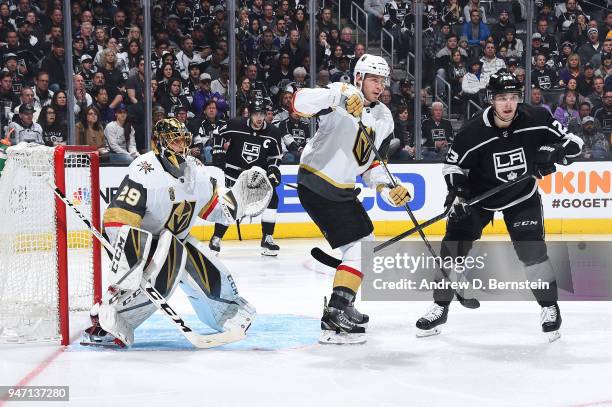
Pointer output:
395, 195
249, 196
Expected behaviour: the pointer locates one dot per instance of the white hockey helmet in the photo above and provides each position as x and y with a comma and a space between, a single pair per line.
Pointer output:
373, 64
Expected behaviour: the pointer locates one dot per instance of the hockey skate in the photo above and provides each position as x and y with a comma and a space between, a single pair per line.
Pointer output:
550, 319
96, 336
337, 328
428, 324
215, 244
356, 317
268, 247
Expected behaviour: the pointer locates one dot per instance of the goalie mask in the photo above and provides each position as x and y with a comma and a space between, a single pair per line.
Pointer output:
172, 142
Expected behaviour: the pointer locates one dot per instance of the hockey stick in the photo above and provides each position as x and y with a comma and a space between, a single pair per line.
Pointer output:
466, 302
198, 340
238, 229
420, 227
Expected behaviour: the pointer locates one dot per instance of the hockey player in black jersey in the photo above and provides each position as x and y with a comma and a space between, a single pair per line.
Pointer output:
505, 141
251, 142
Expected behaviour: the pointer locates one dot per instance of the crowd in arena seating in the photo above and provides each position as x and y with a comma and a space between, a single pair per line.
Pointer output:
464, 42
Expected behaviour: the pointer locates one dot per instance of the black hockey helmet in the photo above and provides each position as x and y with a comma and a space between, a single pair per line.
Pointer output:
257, 105
503, 81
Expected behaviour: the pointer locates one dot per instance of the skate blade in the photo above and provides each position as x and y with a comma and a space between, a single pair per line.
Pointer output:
553, 336
268, 252
424, 333
342, 338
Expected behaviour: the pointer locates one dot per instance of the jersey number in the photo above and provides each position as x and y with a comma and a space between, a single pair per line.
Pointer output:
560, 127
130, 196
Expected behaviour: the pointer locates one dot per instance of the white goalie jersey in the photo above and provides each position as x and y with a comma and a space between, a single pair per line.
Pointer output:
339, 151
152, 199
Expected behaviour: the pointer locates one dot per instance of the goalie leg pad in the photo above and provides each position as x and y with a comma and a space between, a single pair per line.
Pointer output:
212, 290
131, 251
122, 311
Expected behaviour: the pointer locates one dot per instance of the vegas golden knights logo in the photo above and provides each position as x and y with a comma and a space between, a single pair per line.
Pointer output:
180, 216
362, 149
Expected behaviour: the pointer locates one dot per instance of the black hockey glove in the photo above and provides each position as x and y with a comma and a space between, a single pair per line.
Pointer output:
546, 158
457, 201
274, 175
218, 159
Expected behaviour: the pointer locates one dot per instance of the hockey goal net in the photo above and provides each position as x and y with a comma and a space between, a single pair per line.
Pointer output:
49, 260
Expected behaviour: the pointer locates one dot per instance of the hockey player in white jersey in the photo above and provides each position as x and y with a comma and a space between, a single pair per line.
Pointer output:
159, 201
330, 163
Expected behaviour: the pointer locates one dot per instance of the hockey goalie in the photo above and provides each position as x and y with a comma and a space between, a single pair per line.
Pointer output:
148, 222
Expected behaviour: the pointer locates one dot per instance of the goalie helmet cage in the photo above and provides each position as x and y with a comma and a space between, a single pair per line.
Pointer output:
50, 260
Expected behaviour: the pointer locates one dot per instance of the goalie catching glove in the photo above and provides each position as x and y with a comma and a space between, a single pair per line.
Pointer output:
249, 196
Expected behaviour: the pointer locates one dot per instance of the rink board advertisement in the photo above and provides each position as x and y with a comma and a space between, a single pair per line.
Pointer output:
576, 199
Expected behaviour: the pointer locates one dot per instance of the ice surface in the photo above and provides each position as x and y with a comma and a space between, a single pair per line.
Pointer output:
493, 356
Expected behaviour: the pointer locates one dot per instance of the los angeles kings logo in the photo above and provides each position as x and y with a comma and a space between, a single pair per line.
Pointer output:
510, 165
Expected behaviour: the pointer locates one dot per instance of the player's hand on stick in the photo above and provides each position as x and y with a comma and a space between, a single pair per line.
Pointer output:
274, 175
457, 200
395, 196
546, 158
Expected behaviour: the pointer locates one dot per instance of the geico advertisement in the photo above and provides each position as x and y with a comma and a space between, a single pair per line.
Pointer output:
582, 190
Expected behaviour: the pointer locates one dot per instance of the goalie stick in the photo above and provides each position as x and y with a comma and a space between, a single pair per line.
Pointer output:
466, 302
198, 340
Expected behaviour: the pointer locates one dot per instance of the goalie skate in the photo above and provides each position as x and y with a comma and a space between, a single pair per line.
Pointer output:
550, 319
428, 324
337, 328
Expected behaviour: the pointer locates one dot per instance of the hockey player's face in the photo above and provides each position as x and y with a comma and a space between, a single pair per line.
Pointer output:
505, 105
257, 120
373, 86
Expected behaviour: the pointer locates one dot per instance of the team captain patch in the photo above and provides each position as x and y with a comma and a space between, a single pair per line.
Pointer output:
510, 165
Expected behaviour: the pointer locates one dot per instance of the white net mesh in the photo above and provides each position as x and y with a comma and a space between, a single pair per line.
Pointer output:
29, 265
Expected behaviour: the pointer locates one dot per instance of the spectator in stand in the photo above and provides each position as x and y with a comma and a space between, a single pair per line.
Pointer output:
596, 145
119, 135
572, 84
192, 83
572, 69
476, 32
605, 52
567, 49
23, 127
471, 6
26, 97
297, 134
549, 43
474, 84
53, 64
397, 14
173, 99
163, 76
455, 72
537, 99
586, 80
187, 56
105, 113
53, 133
113, 77
135, 84
503, 25
444, 55
60, 104
490, 62
202, 142
593, 47
513, 45
204, 95
221, 84
42, 94
604, 113
293, 47
82, 99
375, 10
542, 76
90, 132
243, 96
605, 70
566, 14
567, 112
437, 134
402, 131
